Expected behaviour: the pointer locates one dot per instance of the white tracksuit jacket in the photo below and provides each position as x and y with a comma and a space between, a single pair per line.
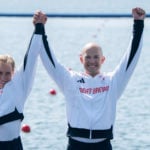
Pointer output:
16, 91
91, 101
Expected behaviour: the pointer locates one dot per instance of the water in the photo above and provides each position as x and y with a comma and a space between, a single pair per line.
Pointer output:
46, 113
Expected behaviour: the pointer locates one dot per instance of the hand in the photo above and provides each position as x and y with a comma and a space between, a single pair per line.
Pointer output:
39, 17
138, 13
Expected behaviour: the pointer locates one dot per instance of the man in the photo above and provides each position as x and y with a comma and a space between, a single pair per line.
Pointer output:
91, 96
15, 87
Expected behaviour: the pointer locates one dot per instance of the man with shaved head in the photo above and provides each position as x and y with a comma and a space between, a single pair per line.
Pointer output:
92, 58
91, 96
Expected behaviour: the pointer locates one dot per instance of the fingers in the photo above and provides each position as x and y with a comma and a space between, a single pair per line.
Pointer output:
39, 17
138, 13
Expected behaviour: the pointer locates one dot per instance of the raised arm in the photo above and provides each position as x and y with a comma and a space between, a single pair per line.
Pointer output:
124, 70
55, 69
138, 15
25, 75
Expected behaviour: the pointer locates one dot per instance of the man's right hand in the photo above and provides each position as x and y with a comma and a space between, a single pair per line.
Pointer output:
39, 17
138, 13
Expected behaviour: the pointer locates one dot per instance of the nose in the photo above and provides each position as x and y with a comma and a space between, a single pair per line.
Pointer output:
3, 78
92, 60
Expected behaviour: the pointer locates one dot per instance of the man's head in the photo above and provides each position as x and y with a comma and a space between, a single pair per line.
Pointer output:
7, 66
92, 58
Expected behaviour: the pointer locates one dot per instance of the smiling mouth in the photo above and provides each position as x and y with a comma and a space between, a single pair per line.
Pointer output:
92, 66
2, 84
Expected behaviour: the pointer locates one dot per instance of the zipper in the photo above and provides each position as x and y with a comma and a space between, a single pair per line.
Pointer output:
90, 134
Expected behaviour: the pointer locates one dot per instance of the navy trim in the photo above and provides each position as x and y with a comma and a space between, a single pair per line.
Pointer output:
137, 33
26, 55
39, 29
14, 144
25, 62
91, 134
15, 115
47, 49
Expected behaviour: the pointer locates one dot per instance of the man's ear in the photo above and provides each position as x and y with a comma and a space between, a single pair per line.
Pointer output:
81, 59
102, 59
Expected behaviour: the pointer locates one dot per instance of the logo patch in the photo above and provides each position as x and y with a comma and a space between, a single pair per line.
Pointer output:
81, 80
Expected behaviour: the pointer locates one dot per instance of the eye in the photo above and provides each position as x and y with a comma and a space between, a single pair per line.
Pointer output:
96, 56
8, 73
87, 57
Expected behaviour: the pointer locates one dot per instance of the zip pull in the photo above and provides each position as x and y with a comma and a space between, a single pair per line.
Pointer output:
90, 134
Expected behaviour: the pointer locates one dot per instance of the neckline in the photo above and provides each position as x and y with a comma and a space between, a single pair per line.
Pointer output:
88, 75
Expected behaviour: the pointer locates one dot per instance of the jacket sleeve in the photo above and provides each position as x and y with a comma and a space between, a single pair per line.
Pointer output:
125, 68
56, 70
24, 77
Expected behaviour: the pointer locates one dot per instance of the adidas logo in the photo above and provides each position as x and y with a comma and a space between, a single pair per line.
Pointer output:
81, 81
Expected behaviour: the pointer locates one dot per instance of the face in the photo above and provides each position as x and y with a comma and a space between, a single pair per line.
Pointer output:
6, 73
92, 59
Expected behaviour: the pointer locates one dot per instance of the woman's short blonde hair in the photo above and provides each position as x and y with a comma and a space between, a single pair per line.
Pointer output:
7, 59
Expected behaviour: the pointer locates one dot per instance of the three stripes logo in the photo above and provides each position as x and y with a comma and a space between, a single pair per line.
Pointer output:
81, 80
